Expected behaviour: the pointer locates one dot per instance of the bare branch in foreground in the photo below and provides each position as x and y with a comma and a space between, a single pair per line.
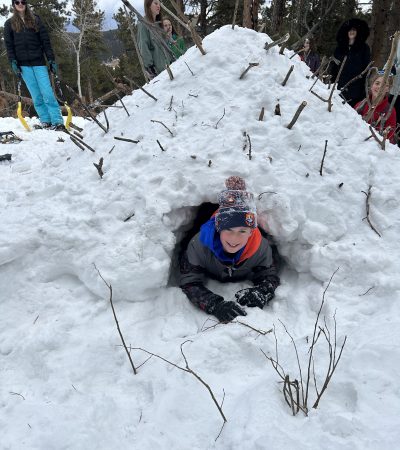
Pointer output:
261, 116
187, 369
116, 320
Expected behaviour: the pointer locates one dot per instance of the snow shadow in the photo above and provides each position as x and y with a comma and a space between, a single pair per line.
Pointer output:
191, 218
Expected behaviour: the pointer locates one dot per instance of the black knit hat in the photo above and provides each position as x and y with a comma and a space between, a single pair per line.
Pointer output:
237, 207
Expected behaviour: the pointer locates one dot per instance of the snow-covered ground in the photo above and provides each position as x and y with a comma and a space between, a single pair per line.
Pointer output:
65, 380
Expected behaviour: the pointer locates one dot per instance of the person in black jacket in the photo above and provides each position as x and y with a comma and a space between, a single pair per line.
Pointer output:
27, 41
351, 39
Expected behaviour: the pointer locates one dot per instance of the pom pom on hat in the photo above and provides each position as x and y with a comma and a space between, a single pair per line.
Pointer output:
235, 183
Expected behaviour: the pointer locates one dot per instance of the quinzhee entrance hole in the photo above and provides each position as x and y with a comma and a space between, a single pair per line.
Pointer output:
189, 219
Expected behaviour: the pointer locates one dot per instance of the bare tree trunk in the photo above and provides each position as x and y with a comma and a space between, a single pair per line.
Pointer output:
247, 5
203, 17
394, 18
256, 6
381, 11
278, 8
78, 73
90, 91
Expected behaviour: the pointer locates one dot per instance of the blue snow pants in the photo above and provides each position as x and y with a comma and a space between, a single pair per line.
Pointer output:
38, 83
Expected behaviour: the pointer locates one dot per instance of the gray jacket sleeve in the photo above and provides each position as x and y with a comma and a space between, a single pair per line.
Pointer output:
192, 265
145, 45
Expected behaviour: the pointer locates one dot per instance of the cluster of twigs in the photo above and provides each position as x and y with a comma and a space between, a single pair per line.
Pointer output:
296, 391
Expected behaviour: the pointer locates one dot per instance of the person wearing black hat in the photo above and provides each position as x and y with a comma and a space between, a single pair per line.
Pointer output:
351, 39
230, 248
27, 42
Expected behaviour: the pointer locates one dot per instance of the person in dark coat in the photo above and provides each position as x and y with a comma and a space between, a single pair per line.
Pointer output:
310, 56
27, 43
229, 248
351, 39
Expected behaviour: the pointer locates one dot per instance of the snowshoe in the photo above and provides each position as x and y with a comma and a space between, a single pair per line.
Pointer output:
9, 137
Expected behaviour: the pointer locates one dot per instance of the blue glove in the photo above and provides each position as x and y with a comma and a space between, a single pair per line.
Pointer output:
53, 67
15, 67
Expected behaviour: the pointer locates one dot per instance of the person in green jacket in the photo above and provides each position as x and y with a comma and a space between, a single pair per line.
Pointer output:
175, 42
155, 57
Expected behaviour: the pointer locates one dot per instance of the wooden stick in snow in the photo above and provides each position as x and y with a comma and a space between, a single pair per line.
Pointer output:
297, 114
287, 76
248, 68
277, 42
368, 196
323, 158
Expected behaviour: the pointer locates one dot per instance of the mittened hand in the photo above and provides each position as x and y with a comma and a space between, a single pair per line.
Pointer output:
227, 311
256, 296
15, 68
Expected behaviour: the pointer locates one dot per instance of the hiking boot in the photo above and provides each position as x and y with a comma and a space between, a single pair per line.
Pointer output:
58, 127
42, 126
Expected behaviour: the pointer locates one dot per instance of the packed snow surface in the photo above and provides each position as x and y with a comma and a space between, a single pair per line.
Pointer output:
65, 379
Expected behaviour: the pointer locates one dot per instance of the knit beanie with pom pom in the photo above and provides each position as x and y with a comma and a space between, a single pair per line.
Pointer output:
236, 206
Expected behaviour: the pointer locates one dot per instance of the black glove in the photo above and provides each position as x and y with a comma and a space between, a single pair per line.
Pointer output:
226, 311
255, 296
53, 67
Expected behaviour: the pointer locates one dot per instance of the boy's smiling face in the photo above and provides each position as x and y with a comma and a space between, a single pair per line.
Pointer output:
234, 239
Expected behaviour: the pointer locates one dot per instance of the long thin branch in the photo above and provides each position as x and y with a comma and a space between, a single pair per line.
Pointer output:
314, 340
188, 370
116, 320
297, 357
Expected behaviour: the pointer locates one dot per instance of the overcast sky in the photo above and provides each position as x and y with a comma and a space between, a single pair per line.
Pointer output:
110, 7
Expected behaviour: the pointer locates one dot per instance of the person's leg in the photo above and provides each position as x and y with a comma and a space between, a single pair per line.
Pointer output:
28, 75
43, 80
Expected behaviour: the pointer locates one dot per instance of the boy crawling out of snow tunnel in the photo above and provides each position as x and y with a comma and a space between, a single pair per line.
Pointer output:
229, 247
